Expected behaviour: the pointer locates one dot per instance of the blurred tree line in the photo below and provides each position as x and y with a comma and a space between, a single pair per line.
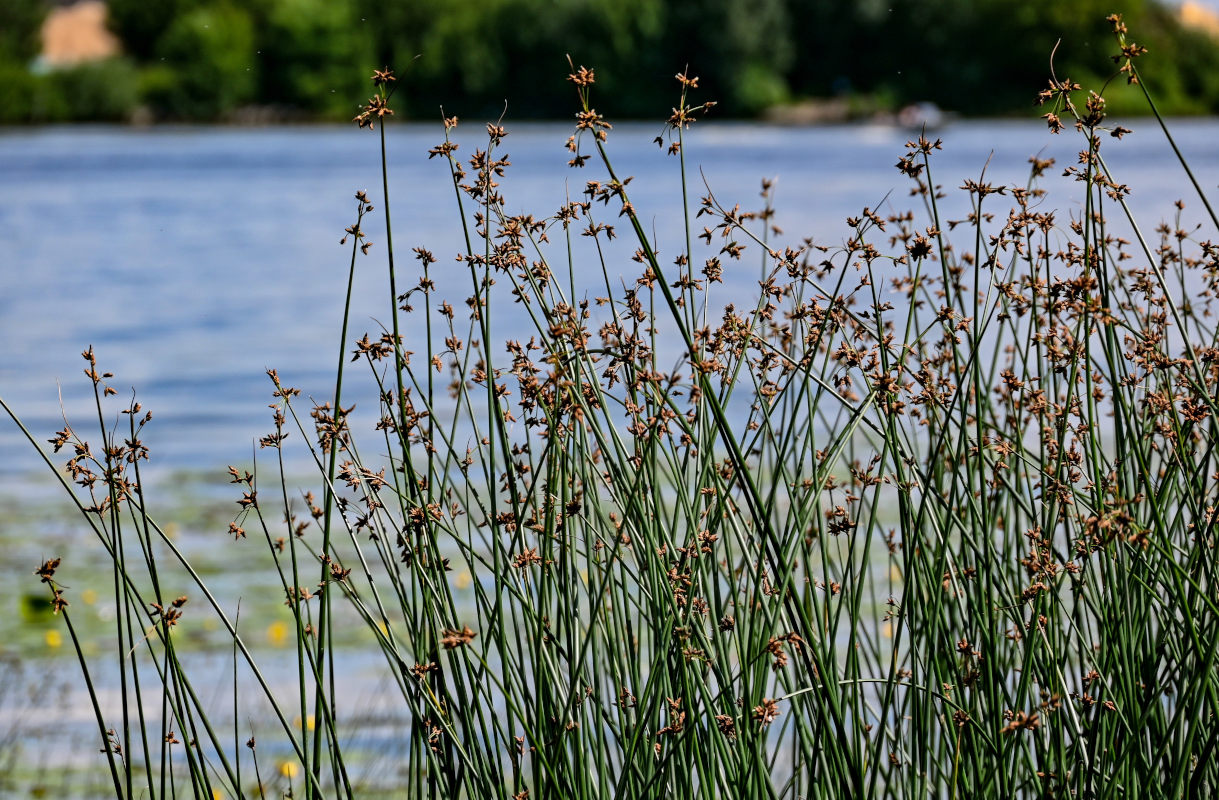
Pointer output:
207, 59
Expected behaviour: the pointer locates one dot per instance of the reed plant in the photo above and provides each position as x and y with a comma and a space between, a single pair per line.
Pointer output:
930, 513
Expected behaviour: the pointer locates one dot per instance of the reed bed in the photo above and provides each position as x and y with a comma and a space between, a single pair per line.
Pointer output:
930, 513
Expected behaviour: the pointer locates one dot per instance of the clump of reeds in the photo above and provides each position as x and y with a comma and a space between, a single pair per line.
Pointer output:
924, 515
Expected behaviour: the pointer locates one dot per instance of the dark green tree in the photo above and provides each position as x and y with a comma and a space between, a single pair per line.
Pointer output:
105, 91
140, 24
742, 51
210, 65
316, 55
473, 56
20, 26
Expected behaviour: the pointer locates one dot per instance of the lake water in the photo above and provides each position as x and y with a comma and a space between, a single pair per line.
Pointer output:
194, 258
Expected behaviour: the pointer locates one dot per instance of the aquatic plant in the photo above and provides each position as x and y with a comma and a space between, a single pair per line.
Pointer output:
930, 513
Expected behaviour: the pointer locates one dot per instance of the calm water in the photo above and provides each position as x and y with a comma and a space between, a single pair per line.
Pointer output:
194, 258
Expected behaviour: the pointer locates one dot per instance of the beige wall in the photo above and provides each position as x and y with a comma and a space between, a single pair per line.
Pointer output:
76, 33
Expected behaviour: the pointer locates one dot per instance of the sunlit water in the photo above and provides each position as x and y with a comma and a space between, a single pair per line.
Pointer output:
194, 258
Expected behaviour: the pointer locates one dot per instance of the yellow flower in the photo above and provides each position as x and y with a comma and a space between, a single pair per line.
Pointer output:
277, 633
296, 722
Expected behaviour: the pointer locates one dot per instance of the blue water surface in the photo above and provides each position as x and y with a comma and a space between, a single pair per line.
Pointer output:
193, 259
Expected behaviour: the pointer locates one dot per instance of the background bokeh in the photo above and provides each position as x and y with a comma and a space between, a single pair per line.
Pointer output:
308, 59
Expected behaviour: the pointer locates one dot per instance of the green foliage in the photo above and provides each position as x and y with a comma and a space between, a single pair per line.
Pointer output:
211, 54
976, 57
20, 24
24, 97
475, 55
1193, 49
18, 92
742, 50
314, 55
105, 91
140, 24
991, 57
